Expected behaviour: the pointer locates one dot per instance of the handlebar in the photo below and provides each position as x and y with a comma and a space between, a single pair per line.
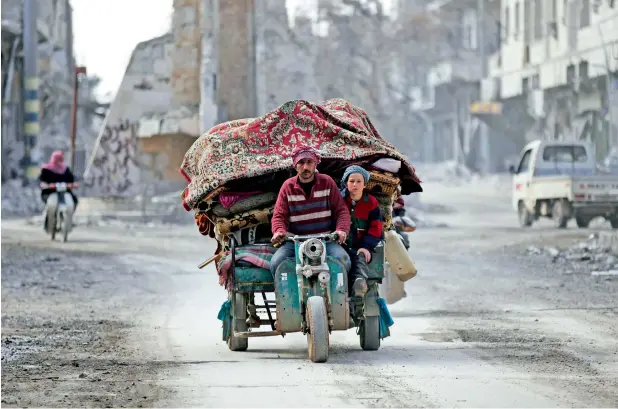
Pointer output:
43, 185
327, 237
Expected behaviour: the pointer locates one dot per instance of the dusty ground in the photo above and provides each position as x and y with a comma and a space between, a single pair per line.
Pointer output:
122, 317
65, 327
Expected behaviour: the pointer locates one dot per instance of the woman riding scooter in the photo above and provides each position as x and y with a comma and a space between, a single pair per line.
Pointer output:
56, 171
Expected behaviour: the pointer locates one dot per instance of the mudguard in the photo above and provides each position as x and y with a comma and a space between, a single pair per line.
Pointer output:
372, 308
376, 265
289, 312
253, 279
289, 309
339, 306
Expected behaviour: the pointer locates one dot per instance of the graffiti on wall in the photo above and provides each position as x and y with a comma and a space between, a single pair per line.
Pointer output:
115, 167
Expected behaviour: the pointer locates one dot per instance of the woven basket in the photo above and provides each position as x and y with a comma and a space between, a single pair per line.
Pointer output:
387, 221
386, 207
382, 182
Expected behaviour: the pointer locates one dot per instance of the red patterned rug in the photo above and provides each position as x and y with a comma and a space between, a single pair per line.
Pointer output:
258, 146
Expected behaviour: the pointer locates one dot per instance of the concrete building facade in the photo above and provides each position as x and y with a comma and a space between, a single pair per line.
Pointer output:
222, 60
467, 32
535, 69
37, 86
555, 71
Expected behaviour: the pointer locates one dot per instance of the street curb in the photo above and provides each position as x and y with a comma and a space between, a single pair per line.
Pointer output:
609, 240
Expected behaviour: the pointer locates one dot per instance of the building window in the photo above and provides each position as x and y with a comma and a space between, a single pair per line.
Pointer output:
507, 23
468, 35
517, 18
552, 20
584, 19
528, 21
525, 85
538, 20
554, 10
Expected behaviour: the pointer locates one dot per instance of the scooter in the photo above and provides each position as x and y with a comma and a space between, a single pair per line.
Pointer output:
59, 209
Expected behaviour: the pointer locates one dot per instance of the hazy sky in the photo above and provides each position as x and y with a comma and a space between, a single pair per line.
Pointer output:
107, 31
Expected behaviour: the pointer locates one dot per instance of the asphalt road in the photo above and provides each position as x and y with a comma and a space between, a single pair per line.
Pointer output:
123, 317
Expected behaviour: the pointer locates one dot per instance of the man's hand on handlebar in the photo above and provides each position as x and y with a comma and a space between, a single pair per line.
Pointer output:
278, 238
341, 236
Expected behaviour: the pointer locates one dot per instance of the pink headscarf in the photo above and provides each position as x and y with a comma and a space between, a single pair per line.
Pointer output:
305, 152
56, 163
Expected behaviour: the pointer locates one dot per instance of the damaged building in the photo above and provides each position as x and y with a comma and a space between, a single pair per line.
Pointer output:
37, 88
221, 60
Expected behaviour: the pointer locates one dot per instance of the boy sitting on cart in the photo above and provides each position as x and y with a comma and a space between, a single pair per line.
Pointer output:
366, 230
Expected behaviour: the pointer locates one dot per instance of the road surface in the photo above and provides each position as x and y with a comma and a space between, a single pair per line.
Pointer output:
123, 317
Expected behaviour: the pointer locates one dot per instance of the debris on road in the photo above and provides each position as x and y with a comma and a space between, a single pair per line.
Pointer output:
18, 200
592, 255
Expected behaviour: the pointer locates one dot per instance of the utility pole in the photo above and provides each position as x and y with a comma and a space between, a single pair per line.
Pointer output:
76, 73
31, 87
484, 139
609, 81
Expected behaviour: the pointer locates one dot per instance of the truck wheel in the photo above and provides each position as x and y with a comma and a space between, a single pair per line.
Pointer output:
525, 217
317, 338
560, 213
370, 334
582, 221
239, 323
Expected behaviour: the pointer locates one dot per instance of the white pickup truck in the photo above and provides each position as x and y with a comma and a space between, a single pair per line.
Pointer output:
559, 180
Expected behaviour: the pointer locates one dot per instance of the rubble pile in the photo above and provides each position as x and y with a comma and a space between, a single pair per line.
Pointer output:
592, 254
18, 200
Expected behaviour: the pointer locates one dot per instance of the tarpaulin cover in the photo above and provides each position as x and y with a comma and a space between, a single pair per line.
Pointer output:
258, 146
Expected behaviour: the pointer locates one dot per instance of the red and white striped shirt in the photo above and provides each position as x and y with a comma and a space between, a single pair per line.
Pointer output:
324, 211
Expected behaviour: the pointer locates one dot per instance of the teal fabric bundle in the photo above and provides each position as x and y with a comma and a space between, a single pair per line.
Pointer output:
385, 319
225, 315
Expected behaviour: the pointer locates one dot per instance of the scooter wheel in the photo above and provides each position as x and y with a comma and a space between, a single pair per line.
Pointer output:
318, 336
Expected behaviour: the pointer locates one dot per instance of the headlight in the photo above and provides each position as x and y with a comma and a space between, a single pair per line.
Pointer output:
313, 249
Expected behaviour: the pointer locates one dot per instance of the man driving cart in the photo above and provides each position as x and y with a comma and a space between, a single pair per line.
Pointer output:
309, 203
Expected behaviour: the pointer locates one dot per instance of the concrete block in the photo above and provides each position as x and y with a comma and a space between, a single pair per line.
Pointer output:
609, 240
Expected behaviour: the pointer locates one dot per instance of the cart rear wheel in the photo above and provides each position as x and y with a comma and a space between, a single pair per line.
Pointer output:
318, 336
239, 323
370, 334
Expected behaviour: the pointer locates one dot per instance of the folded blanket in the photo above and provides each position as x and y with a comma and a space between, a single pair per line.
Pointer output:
254, 234
227, 199
243, 220
204, 225
244, 204
258, 256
